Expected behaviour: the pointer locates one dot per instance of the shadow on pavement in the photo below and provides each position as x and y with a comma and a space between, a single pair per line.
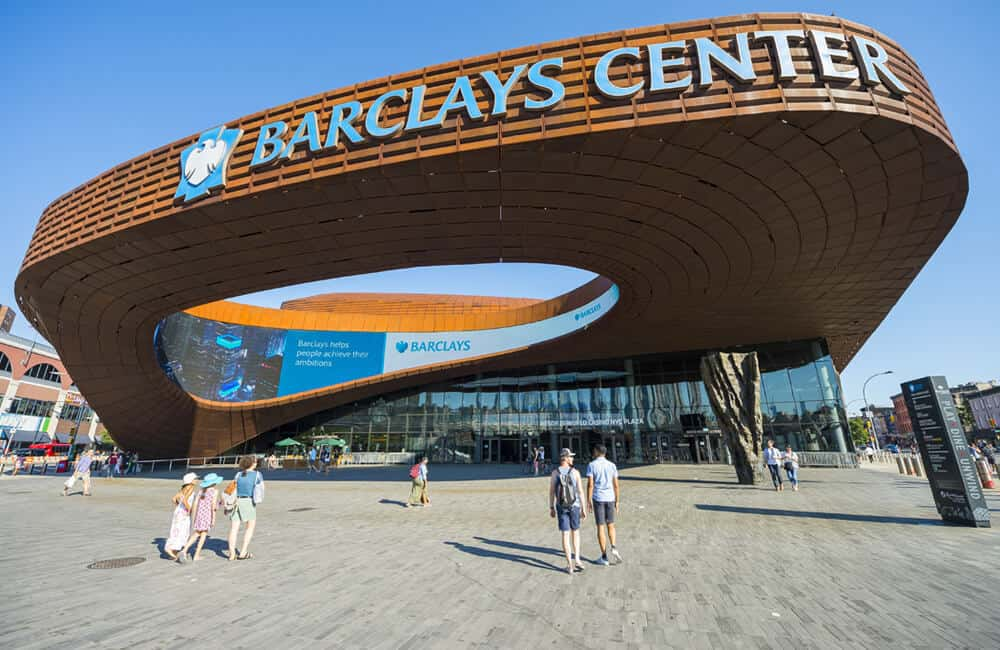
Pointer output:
806, 514
392, 502
527, 560
217, 545
521, 547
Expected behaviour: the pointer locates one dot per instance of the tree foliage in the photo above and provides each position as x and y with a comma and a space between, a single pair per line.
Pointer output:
859, 432
965, 415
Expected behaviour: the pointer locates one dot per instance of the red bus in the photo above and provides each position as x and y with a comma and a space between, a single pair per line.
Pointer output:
49, 449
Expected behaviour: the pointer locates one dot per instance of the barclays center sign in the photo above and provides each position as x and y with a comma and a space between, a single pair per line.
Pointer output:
837, 57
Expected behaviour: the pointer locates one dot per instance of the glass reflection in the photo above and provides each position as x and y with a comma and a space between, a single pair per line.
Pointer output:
660, 413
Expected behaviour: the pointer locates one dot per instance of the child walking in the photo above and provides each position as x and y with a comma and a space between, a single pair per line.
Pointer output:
180, 524
206, 504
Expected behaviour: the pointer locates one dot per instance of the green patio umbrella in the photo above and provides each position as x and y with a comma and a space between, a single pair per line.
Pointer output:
330, 442
288, 442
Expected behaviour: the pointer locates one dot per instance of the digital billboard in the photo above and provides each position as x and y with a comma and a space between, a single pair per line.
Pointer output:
240, 363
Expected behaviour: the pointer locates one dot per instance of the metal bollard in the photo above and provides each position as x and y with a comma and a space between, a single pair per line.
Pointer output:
917, 469
908, 464
983, 469
899, 464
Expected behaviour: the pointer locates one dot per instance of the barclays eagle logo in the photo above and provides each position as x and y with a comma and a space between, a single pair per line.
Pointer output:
203, 164
401, 346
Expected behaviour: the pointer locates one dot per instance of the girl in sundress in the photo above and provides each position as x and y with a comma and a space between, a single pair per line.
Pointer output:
180, 525
206, 503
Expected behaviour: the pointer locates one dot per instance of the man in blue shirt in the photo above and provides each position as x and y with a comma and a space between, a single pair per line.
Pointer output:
602, 500
311, 461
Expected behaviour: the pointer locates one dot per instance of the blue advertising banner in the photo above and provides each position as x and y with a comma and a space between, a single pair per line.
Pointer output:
317, 359
242, 363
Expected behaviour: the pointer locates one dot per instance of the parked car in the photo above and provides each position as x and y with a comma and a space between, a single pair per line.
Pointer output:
892, 448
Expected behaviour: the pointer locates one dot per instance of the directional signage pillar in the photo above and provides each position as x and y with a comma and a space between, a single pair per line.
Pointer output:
950, 468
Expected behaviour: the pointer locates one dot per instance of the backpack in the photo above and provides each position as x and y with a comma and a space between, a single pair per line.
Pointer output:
565, 490
229, 497
415, 471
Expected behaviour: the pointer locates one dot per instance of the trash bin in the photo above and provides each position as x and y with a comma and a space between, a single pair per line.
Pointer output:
62, 466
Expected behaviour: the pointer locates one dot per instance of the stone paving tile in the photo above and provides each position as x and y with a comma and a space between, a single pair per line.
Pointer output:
857, 559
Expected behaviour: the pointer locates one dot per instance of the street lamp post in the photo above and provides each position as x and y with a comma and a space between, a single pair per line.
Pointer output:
868, 410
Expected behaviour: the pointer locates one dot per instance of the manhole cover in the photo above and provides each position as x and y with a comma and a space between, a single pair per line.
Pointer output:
300, 509
117, 563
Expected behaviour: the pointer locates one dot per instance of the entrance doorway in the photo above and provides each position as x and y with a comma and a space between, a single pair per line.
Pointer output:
617, 450
501, 450
658, 449
571, 442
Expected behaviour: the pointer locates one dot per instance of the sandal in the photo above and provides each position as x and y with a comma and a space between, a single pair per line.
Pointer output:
234, 555
248, 556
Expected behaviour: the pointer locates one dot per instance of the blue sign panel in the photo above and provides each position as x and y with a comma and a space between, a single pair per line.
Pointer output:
316, 359
240, 363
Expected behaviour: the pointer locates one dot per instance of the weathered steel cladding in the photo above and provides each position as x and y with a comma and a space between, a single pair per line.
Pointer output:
741, 213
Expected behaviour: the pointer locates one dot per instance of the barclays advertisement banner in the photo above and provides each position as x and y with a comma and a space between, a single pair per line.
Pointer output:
317, 359
405, 350
240, 363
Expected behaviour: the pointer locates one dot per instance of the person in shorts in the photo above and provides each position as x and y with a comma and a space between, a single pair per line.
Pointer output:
602, 500
82, 471
566, 505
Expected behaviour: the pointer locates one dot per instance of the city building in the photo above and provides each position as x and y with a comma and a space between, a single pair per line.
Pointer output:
901, 415
40, 401
883, 419
961, 392
7, 316
985, 408
762, 182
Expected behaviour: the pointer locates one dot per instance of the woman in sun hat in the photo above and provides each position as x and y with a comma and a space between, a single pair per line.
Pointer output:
206, 503
180, 525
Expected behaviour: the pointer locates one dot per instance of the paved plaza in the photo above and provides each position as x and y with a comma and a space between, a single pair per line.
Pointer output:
856, 559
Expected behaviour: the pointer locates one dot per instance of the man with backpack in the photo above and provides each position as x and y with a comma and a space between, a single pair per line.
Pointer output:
418, 489
566, 505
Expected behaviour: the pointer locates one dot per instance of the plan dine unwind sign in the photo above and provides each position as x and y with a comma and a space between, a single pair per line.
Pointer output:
950, 468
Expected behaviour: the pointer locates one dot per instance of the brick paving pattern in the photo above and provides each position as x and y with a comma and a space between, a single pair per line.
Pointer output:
857, 559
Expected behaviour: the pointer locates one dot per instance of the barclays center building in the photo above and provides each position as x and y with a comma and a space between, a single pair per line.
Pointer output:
766, 183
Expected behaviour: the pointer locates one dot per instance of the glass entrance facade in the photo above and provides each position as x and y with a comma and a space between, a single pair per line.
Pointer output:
645, 409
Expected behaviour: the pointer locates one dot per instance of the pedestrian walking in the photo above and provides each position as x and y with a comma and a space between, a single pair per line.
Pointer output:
249, 494
205, 505
791, 462
870, 452
311, 460
112, 465
18, 464
82, 471
602, 500
991, 456
566, 505
180, 521
419, 496
324, 460
535, 458
772, 456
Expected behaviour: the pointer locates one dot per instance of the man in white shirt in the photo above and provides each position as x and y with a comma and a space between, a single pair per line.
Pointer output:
772, 456
602, 500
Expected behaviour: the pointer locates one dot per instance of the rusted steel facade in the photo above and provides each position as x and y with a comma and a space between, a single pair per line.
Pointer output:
736, 213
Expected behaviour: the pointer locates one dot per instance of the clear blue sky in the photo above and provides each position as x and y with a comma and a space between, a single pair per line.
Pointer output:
85, 88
